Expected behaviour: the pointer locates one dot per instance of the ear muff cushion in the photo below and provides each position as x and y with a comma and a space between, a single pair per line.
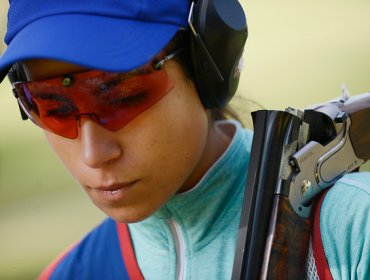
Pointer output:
223, 29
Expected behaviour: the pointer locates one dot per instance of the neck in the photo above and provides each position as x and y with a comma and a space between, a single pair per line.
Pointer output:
219, 138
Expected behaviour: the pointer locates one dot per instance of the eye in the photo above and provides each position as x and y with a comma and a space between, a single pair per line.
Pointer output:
130, 100
55, 106
60, 111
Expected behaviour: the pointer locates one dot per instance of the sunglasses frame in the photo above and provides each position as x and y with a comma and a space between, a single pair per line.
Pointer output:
155, 64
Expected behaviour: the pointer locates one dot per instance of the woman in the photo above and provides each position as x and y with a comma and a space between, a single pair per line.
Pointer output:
132, 111
132, 167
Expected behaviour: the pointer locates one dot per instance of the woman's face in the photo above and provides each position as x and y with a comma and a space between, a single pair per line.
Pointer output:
132, 172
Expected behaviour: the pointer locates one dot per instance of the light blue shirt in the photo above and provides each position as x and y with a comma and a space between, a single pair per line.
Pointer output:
195, 233
345, 227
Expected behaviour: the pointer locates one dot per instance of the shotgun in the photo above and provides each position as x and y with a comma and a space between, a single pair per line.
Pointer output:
295, 156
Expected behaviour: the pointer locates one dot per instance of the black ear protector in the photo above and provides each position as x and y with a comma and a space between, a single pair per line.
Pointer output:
218, 31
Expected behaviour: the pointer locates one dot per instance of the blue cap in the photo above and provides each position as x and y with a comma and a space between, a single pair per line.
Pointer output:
112, 35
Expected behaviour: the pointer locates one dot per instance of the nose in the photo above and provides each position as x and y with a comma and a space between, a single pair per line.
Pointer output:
99, 146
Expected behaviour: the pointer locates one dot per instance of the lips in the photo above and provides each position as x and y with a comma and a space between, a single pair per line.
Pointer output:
113, 193
112, 188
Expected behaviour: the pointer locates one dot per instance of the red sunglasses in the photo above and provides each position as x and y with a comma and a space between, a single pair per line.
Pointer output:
109, 99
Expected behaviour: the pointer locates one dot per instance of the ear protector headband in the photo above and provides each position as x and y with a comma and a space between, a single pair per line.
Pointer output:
219, 31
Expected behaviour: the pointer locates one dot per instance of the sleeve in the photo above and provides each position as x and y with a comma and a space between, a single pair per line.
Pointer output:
345, 227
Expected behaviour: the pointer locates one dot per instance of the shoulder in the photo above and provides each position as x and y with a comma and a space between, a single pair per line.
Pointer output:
345, 226
98, 254
348, 199
357, 180
352, 191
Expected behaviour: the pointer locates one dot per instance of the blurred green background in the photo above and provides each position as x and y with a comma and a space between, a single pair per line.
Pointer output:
298, 53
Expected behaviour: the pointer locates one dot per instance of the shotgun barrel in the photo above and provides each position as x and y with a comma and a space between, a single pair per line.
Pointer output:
295, 156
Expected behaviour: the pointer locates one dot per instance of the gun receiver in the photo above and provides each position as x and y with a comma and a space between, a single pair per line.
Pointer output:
295, 156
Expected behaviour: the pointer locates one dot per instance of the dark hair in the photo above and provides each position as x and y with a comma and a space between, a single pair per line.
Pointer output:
182, 39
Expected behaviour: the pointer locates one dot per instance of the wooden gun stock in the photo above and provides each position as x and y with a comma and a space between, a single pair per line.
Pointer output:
287, 243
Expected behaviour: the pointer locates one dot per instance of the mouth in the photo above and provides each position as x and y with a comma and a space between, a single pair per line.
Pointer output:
113, 193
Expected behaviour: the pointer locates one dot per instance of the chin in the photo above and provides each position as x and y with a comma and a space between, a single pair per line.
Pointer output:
126, 215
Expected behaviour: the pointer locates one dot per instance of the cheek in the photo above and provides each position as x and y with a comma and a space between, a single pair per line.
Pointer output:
67, 151
172, 137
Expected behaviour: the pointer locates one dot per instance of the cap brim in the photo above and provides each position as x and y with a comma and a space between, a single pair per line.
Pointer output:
93, 41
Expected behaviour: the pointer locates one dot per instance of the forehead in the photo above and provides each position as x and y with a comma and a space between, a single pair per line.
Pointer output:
42, 69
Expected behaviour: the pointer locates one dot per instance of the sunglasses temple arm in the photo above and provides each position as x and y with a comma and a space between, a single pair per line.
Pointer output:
158, 64
23, 114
